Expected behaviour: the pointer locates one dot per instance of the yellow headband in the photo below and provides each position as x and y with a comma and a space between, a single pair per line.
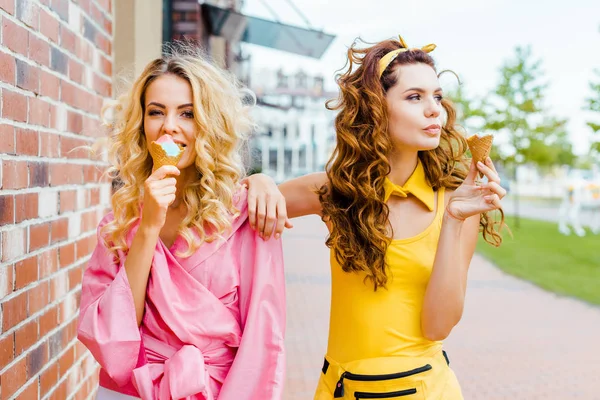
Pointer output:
389, 57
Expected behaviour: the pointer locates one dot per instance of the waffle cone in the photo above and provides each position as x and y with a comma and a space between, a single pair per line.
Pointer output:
160, 158
480, 146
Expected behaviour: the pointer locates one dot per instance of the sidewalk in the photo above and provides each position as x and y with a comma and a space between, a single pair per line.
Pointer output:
515, 341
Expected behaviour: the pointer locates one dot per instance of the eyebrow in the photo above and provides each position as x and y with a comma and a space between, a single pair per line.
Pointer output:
153, 103
419, 90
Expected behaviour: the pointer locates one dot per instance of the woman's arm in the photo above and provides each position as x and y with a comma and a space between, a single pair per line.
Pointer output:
300, 194
445, 294
270, 206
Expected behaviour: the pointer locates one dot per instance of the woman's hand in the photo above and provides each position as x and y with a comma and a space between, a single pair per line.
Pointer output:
473, 198
267, 211
159, 194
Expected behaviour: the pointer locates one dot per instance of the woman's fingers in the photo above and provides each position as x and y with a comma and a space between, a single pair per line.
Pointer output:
282, 219
488, 172
270, 218
495, 188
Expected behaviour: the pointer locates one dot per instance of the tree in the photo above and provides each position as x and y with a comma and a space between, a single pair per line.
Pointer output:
593, 104
516, 109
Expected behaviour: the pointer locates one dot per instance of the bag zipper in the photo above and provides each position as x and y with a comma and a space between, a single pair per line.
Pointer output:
339, 387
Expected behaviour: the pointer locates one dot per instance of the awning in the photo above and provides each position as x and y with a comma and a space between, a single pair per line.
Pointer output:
235, 26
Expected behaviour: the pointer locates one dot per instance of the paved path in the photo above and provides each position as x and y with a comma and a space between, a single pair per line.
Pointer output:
515, 341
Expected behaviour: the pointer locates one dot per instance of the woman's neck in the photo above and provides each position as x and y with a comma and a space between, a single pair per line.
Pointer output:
402, 164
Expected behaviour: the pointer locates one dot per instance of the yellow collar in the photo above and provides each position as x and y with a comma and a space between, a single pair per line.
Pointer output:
416, 185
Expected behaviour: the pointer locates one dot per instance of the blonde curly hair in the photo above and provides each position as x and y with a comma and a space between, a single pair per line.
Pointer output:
223, 124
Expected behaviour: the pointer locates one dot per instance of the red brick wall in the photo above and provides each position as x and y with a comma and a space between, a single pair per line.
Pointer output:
55, 72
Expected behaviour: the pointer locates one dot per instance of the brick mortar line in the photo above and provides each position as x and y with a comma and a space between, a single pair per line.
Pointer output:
82, 161
63, 23
47, 278
68, 241
42, 128
35, 221
31, 222
45, 337
51, 188
103, 11
85, 379
51, 361
52, 72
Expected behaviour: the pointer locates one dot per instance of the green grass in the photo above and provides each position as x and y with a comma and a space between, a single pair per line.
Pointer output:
568, 265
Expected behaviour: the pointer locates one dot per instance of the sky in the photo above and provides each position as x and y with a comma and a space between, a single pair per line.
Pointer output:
474, 38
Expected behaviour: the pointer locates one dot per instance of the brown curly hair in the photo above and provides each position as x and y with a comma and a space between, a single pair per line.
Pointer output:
352, 199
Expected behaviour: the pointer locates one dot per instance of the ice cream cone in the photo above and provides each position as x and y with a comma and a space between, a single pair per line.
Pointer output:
160, 157
480, 146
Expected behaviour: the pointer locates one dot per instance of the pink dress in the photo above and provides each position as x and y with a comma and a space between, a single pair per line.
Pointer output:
213, 326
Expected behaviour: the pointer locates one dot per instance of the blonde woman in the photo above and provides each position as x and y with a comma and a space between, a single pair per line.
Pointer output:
182, 299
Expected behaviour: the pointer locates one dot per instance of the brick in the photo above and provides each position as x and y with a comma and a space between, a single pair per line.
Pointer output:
68, 40
14, 311
26, 272
74, 125
39, 50
14, 174
28, 12
67, 199
49, 26
8, 68
59, 60
7, 350
8, 6
14, 378
61, 7
49, 146
7, 139
7, 210
6, 281
48, 262
76, 70
28, 77
13, 244
39, 236
60, 393
59, 286
102, 86
66, 255
28, 142
25, 337
39, 112
30, 392
55, 345
49, 85
14, 37
14, 106
48, 321
26, 206
48, 379
37, 297
38, 174
36, 359
75, 277
60, 230
48, 204
66, 361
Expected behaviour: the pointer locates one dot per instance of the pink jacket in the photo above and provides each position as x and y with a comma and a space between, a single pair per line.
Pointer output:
213, 326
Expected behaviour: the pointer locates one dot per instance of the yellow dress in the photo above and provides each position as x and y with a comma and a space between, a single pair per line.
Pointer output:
376, 348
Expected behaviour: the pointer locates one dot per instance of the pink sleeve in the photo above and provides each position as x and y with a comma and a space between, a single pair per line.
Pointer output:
107, 321
258, 370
